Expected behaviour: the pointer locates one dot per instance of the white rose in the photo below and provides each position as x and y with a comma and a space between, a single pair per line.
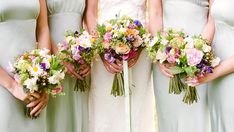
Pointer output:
206, 48
215, 62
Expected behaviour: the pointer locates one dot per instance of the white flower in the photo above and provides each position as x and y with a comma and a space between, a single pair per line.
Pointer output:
164, 41
122, 30
56, 78
190, 43
215, 62
36, 70
161, 56
206, 48
153, 41
31, 84
69, 38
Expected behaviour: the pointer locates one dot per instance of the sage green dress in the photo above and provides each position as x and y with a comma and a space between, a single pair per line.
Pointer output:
221, 90
67, 113
17, 35
173, 114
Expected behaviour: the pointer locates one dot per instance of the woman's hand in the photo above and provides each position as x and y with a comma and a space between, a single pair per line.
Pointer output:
18, 92
165, 70
71, 70
113, 67
85, 70
39, 104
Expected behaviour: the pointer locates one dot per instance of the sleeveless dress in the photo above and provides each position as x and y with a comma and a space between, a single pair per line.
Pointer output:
173, 114
107, 113
17, 34
220, 91
68, 113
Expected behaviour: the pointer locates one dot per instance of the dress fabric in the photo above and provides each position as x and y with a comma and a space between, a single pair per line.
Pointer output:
220, 91
68, 113
107, 113
17, 35
174, 115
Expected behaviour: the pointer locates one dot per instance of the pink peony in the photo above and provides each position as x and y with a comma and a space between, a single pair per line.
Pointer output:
194, 56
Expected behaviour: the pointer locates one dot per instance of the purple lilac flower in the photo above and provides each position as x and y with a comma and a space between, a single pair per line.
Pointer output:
168, 49
137, 23
109, 58
76, 57
88, 49
80, 61
130, 38
43, 66
80, 48
208, 69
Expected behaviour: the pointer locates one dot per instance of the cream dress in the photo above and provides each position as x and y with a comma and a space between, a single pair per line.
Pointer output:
107, 113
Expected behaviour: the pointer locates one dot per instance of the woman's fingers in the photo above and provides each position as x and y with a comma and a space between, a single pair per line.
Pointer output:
35, 109
35, 95
33, 103
40, 110
166, 71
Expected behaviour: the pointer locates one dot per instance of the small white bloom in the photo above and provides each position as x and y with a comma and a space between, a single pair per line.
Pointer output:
190, 43
206, 48
161, 56
164, 41
215, 62
69, 38
31, 84
56, 78
36, 70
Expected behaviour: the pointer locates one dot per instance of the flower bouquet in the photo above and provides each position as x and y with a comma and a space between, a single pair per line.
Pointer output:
37, 71
79, 49
190, 57
120, 39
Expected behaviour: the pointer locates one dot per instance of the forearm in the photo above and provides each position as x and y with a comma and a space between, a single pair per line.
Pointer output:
91, 16
155, 16
226, 67
42, 32
209, 29
6, 80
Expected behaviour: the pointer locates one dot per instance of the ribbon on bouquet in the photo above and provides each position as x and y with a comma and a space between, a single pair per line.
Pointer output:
127, 97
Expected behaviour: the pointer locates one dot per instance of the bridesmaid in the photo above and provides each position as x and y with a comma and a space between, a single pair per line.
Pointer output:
221, 89
22, 23
107, 113
68, 113
173, 115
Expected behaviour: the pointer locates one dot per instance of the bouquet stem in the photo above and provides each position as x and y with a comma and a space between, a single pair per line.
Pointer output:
191, 95
176, 86
83, 85
118, 85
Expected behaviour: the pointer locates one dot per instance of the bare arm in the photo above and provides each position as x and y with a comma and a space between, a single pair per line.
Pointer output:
209, 29
42, 31
91, 15
226, 67
155, 16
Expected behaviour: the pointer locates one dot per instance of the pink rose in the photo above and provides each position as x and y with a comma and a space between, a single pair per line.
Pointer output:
171, 59
57, 90
107, 37
194, 56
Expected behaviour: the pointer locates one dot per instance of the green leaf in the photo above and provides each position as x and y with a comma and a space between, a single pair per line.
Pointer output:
176, 70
